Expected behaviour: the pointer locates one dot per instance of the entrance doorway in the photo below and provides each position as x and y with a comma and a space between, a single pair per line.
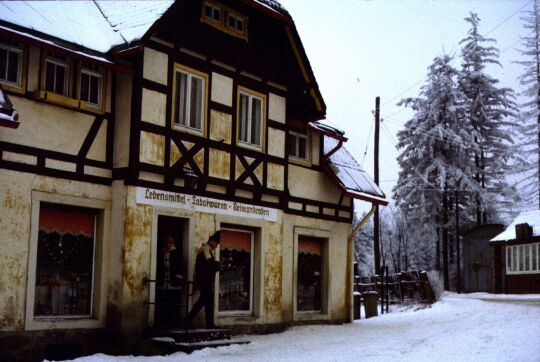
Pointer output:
170, 298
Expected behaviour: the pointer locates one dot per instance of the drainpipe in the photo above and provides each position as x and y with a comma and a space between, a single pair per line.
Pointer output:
350, 252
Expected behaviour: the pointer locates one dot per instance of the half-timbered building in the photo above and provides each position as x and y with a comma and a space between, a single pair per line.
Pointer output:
143, 120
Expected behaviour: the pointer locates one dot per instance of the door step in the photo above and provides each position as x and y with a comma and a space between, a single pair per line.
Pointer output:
167, 341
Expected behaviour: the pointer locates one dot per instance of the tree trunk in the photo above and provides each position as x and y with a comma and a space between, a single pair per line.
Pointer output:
446, 275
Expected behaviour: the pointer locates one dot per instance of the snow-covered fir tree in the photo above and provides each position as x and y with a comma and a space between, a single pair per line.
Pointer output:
490, 112
435, 160
363, 246
529, 116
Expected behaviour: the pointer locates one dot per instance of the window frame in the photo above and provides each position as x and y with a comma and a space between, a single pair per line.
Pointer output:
101, 86
249, 312
251, 95
515, 259
99, 290
67, 73
22, 66
296, 158
324, 313
223, 23
178, 68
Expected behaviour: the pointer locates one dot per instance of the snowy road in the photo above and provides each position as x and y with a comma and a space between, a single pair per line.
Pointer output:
457, 328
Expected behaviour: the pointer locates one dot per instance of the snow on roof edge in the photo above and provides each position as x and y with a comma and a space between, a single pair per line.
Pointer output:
530, 217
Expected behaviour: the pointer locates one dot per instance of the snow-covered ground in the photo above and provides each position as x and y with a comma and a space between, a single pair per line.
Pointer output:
457, 328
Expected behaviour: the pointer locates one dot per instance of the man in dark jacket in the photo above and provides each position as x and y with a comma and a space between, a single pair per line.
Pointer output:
206, 268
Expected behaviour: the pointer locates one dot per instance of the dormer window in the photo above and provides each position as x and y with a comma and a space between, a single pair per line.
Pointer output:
10, 62
236, 23
212, 12
298, 145
224, 19
56, 73
91, 76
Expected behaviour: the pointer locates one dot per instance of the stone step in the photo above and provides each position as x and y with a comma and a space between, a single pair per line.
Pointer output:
167, 345
189, 335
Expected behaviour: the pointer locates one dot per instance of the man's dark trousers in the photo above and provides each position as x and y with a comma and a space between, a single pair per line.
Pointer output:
206, 300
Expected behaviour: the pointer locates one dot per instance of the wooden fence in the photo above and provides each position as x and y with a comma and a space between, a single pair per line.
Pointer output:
411, 286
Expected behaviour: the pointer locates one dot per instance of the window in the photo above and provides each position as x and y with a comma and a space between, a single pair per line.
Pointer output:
11, 54
236, 255
190, 99
298, 145
309, 280
251, 118
90, 83
224, 19
236, 23
65, 261
56, 73
212, 12
523, 259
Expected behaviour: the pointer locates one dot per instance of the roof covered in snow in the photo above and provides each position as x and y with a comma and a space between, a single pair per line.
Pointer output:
350, 176
325, 127
530, 217
96, 25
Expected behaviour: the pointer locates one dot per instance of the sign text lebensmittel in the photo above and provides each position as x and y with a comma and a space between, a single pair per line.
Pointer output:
177, 200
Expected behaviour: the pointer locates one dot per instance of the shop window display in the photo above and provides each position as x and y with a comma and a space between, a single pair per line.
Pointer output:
235, 278
309, 274
65, 261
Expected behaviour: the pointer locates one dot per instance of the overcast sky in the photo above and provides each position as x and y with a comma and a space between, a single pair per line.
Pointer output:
362, 49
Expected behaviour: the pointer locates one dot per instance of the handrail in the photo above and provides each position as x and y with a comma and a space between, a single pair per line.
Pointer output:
167, 282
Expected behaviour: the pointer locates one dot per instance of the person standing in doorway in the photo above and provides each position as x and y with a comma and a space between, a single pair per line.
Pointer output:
169, 279
169, 265
206, 268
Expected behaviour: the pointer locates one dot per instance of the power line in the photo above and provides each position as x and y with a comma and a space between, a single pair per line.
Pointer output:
367, 145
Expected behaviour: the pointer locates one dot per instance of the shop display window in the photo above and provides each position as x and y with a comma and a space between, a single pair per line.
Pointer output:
309, 274
65, 261
236, 275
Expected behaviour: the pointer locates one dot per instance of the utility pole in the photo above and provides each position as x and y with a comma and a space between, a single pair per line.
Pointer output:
458, 249
376, 224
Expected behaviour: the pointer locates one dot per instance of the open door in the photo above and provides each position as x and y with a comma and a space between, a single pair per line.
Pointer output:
170, 298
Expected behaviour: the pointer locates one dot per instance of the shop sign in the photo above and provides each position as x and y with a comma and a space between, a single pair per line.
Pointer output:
177, 200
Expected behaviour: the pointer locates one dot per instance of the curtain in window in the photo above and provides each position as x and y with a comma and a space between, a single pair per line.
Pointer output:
243, 124
196, 103
182, 104
65, 260
236, 257
256, 114
309, 274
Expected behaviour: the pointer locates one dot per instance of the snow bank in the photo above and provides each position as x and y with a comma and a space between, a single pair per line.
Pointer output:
458, 328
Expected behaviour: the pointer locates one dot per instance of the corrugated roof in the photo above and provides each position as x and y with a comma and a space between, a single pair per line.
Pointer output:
350, 176
96, 25
530, 217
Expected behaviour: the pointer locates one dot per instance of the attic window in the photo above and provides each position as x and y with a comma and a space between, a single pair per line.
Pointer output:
236, 23
90, 83
224, 19
298, 145
212, 12
56, 73
10, 62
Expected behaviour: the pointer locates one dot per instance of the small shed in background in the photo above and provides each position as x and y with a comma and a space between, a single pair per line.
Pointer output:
478, 258
517, 255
